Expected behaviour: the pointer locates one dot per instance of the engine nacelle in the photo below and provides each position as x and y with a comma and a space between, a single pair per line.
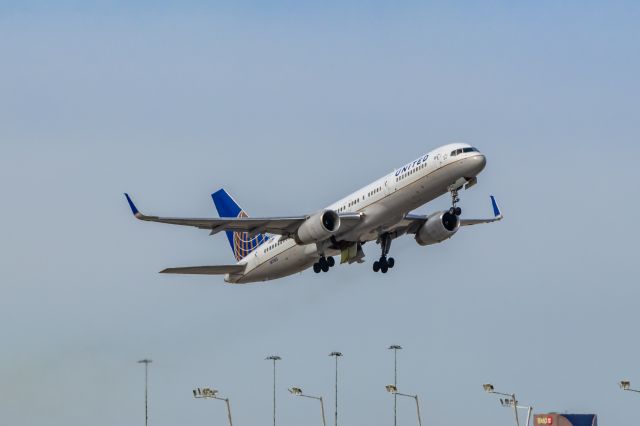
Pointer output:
318, 227
438, 227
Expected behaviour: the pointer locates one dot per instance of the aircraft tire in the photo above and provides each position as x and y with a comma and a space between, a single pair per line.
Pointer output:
325, 267
376, 266
331, 261
316, 268
391, 262
458, 211
384, 269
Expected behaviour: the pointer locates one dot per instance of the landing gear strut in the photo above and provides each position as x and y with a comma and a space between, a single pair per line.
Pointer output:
383, 265
324, 264
454, 210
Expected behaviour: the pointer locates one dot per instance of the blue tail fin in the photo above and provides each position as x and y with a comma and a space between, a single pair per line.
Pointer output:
242, 244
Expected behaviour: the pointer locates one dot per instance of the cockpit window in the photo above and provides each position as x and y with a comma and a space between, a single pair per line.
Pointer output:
461, 150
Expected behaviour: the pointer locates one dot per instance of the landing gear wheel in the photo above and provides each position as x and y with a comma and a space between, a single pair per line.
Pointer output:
316, 268
331, 261
323, 262
457, 211
452, 211
325, 267
376, 266
383, 262
384, 269
390, 262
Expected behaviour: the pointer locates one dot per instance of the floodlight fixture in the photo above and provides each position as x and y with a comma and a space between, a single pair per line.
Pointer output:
295, 391
626, 385
488, 387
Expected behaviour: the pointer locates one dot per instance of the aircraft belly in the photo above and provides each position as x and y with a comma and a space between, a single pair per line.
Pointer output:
291, 261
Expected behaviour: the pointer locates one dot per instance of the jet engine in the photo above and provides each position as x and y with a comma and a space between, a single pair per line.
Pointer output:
438, 227
318, 227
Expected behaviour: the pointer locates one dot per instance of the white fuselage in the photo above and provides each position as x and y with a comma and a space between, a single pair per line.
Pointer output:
383, 203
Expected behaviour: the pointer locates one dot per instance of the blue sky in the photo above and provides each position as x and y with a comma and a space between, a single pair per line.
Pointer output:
290, 106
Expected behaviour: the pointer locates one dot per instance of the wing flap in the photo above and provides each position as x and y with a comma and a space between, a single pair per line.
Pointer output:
206, 270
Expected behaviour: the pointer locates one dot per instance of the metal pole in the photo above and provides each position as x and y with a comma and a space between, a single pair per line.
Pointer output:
146, 363
515, 408
228, 411
395, 383
274, 358
324, 422
336, 418
418, 408
529, 414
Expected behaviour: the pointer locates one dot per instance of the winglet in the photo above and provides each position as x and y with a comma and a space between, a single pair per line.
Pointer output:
496, 210
134, 210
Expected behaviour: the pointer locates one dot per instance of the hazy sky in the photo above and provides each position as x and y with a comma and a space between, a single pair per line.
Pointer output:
290, 106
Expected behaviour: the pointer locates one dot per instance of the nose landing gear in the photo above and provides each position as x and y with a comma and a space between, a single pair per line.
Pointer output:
324, 264
383, 265
454, 210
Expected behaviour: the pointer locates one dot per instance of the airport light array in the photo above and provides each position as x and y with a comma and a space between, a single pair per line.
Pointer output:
626, 386
393, 389
510, 402
295, 391
209, 393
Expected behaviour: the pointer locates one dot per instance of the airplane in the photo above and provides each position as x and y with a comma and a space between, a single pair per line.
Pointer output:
275, 247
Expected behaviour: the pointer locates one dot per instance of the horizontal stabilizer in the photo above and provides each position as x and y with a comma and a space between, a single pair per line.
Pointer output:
206, 270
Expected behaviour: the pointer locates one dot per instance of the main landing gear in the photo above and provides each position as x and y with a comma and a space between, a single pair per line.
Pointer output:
454, 210
324, 264
384, 264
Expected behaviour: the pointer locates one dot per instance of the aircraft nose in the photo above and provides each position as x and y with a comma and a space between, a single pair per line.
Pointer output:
477, 164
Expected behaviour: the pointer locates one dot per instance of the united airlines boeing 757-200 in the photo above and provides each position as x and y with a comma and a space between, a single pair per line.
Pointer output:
275, 247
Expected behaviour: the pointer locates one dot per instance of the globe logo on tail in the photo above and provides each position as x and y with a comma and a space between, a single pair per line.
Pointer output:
243, 243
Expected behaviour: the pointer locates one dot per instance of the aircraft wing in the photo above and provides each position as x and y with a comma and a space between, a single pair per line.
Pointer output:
206, 270
285, 226
412, 222
497, 215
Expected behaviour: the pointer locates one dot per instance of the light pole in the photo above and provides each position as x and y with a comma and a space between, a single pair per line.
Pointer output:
625, 385
488, 387
395, 349
508, 402
146, 363
336, 355
298, 392
209, 393
394, 390
274, 358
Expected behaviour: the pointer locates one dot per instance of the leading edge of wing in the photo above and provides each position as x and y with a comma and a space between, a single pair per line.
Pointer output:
206, 270
274, 225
